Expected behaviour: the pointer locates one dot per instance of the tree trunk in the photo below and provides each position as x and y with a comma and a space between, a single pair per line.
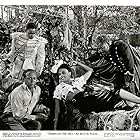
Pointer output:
78, 16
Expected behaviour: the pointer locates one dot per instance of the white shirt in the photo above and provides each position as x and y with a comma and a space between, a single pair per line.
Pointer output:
21, 101
63, 89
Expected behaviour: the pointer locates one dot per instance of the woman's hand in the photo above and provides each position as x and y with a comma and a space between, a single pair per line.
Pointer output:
128, 78
71, 95
128, 73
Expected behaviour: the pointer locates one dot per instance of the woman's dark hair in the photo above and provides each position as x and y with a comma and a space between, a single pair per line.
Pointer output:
31, 25
65, 66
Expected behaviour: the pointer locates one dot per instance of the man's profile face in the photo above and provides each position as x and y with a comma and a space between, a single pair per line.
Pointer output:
31, 33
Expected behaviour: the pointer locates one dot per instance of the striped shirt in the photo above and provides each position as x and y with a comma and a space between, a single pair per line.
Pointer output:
26, 53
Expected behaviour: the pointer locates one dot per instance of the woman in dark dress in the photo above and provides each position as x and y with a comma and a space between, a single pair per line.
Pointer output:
117, 63
103, 100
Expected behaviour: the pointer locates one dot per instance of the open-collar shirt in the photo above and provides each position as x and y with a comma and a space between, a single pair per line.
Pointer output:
63, 89
21, 101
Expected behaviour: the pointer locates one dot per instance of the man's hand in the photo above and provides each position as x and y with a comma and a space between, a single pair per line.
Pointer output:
112, 87
40, 108
41, 116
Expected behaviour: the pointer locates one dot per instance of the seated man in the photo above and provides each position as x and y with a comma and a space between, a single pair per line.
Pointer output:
22, 103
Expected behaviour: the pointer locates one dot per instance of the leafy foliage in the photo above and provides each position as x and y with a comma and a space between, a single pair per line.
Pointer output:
88, 21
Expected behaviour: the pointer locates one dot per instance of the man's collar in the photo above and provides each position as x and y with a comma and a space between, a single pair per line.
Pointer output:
26, 87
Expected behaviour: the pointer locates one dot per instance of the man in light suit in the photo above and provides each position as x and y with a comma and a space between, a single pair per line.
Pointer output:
27, 51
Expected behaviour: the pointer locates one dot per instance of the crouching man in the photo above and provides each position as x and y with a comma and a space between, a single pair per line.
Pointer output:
22, 111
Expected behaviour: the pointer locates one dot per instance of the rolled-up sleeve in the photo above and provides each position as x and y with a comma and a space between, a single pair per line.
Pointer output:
57, 93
